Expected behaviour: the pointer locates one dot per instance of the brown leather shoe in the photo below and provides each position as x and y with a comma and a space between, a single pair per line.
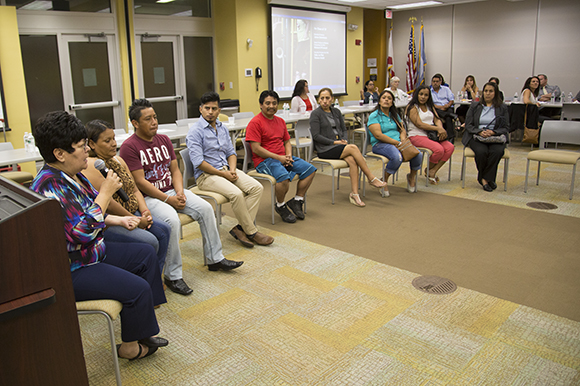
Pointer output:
239, 234
261, 239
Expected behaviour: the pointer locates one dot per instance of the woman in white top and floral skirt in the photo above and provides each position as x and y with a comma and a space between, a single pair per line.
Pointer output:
425, 129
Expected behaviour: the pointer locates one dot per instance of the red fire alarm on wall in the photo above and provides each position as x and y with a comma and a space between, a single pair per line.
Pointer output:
358, 42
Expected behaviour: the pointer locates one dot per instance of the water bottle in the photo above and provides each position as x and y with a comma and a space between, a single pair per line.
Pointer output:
553, 98
32, 142
26, 139
371, 101
286, 108
336, 104
570, 98
458, 96
515, 97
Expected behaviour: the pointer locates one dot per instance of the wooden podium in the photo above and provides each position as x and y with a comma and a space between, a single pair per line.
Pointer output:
39, 331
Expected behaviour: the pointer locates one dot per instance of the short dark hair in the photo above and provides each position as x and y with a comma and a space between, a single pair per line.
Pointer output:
57, 130
494, 79
136, 107
544, 75
210, 96
95, 128
325, 89
438, 76
268, 93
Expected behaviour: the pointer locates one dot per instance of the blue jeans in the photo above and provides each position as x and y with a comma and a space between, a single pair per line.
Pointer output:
395, 158
275, 169
157, 236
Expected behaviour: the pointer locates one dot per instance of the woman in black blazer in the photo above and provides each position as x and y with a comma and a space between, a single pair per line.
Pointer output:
329, 136
486, 131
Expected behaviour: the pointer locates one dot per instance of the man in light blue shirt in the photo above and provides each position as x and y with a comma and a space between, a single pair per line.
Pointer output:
214, 158
444, 101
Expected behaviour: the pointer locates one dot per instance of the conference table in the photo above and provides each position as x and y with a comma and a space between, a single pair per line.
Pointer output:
15, 156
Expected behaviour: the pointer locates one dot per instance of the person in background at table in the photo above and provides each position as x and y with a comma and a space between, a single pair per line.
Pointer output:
387, 132
496, 81
444, 100
151, 159
329, 135
470, 92
486, 131
545, 95
470, 88
546, 91
302, 99
126, 272
272, 155
369, 90
530, 91
400, 95
214, 158
150, 230
421, 118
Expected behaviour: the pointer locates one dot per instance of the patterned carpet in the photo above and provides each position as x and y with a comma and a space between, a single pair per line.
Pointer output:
298, 313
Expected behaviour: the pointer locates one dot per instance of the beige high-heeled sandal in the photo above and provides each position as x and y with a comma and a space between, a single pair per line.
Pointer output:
355, 200
383, 184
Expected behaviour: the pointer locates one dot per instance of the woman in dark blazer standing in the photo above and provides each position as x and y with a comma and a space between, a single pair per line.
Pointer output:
486, 131
329, 136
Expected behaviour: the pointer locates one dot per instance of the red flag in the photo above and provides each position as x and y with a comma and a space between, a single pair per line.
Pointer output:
411, 63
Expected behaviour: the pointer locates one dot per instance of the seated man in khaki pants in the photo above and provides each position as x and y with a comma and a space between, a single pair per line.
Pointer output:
214, 159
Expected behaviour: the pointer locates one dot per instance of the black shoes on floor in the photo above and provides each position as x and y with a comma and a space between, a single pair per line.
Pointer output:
178, 286
285, 213
225, 265
154, 341
297, 207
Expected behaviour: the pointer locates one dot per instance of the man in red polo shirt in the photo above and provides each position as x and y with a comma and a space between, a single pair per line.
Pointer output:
272, 154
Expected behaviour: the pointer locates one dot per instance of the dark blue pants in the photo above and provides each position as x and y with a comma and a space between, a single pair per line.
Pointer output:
129, 274
157, 236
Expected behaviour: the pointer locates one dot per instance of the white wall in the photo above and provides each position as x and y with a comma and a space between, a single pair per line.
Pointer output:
496, 38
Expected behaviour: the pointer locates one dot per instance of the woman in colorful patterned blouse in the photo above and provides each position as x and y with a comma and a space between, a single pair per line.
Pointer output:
124, 272
151, 231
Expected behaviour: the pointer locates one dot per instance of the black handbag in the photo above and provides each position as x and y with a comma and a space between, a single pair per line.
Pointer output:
433, 135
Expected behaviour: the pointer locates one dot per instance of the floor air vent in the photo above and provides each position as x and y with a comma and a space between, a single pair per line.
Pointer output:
434, 285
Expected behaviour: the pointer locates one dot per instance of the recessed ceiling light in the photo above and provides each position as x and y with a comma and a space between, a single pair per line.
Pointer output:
164, 1
350, 1
414, 5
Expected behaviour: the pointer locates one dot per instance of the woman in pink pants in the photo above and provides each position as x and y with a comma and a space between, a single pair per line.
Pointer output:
423, 123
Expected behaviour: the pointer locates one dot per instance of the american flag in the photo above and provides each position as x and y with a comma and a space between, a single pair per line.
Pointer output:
390, 60
411, 63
